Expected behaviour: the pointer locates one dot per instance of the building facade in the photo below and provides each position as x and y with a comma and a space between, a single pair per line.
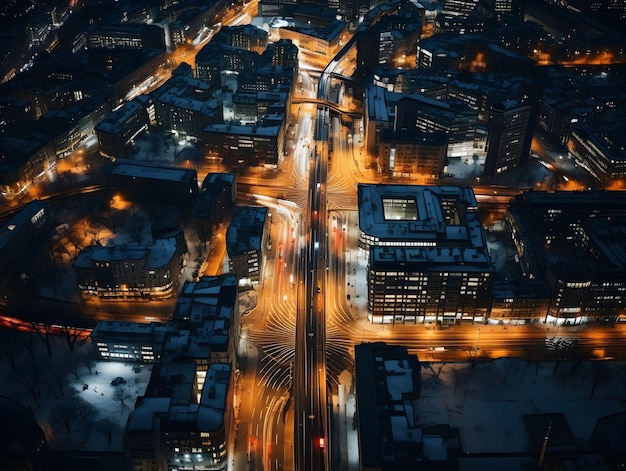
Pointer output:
390, 435
412, 154
130, 272
573, 242
150, 181
246, 238
21, 232
129, 341
117, 131
508, 137
239, 145
427, 254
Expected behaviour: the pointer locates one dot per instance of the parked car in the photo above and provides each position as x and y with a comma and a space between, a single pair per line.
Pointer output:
117, 381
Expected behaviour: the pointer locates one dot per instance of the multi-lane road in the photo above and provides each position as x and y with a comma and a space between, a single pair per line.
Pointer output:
302, 333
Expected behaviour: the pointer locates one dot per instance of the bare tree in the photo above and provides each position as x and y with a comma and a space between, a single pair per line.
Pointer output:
83, 409
28, 340
75, 238
535, 356
9, 344
58, 372
89, 359
29, 378
44, 332
579, 355
109, 428
122, 395
71, 335
116, 218
74, 366
87, 414
65, 414
473, 354
601, 375
44, 271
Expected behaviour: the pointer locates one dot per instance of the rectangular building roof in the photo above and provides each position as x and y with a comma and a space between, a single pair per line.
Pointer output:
151, 171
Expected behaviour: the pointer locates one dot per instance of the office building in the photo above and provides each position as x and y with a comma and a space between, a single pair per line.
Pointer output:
208, 310
246, 238
454, 118
152, 182
136, 36
214, 203
282, 52
186, 106
118, 130
412, 154
247, 37
573, 241
129, 341
217, 58
427, 254
323, 40
185, 419
238, 145
461, 7
519, 302
250, 108
389, 41
191, 21
178, 431
509, 134
417, 113
600, 150
130, 272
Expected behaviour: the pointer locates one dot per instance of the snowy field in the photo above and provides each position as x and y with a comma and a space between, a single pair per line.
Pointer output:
487, 403
70, 394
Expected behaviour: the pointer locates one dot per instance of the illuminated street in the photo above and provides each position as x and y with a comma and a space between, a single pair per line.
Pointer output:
325, 285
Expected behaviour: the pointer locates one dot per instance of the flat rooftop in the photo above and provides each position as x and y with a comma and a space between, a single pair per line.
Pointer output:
432, 214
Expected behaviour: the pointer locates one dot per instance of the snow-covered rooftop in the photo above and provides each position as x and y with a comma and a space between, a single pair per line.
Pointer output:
157, 255
150, 171
418, 213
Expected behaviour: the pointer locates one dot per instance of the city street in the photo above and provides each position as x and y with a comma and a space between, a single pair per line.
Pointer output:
294, 400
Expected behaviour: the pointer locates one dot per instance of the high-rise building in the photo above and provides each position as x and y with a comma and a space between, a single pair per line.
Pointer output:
427, 254
574, 242
245, 240
508, 136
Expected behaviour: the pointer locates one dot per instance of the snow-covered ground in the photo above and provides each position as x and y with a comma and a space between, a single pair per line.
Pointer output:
487, 403
469, 170
69, 393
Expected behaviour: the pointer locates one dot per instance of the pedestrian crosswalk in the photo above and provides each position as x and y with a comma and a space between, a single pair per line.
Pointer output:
560, 343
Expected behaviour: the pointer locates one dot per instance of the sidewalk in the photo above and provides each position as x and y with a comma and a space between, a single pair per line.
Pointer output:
344, 410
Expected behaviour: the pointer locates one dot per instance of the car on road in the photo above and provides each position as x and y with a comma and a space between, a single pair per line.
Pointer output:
117, 381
